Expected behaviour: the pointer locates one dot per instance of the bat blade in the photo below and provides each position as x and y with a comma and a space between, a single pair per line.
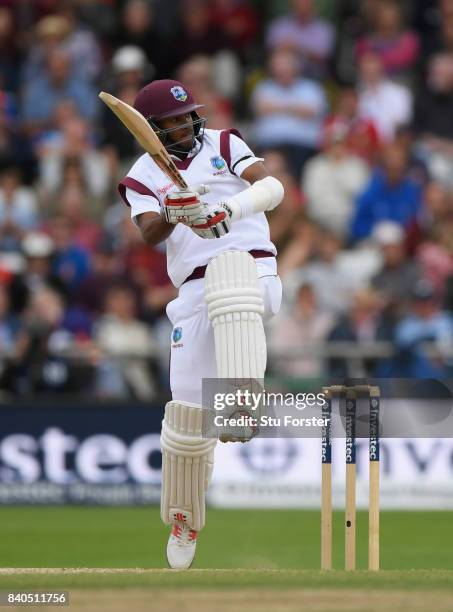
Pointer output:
145, 136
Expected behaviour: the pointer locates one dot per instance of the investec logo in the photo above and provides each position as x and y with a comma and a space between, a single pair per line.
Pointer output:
349, 450
61, 458
350, 417
374, 453
374, 428
325, 451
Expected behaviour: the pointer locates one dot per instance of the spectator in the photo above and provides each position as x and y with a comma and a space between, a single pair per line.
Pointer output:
196, 73
416, 166
331, 181
52, 138
63, 32
71, 264
362, 137
434, 22
301, 240
146, 268
447, 35
290, 210
434, 247
9, 327
48, 36
130, 68
362, 325
435, 259
106, 272
42, 95
390, 195
127, 344
46, 350
426, 323
18, 210
309, 36
326, 273
82, 45
304, 328
382, 101
437, 209
427, 20
119, 147
38, 249
10, 52
398, 274
99, 16
15, 149
73, 206
197, 35
73, 148
397, 49
239, 19
313, 250
433, 121
289, 111
137, 28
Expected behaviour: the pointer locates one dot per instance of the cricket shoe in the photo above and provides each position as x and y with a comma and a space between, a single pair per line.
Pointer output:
181, 546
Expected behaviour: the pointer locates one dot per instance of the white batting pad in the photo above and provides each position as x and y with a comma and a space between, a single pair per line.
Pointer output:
235, 308
187, 463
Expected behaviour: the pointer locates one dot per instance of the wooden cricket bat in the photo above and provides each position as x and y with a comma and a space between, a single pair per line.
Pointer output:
145, 136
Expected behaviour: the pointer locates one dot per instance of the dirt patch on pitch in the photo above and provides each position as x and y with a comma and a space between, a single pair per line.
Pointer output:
344, 600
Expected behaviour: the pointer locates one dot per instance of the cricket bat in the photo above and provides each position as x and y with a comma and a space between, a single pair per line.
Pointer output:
145, 136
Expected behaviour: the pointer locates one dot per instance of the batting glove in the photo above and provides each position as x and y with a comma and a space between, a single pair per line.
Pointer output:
183, 207
215, 223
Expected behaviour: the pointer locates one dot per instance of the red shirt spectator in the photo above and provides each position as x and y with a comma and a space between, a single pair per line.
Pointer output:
362, 136
238, 19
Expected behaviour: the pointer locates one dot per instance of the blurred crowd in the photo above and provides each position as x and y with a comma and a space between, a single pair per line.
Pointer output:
350, 102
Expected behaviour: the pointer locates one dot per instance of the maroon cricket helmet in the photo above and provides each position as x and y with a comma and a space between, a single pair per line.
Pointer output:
165, 98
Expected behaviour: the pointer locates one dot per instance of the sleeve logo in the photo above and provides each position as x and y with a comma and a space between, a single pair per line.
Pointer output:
177, 334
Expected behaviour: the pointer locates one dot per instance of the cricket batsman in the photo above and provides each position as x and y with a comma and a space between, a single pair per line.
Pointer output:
220, 257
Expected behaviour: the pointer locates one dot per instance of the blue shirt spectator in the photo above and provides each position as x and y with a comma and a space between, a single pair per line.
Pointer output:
43, 94
425, 324
283, 125
71, 264
289, 110
389, 196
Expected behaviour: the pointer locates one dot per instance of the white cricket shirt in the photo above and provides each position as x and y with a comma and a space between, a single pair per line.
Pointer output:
145, 187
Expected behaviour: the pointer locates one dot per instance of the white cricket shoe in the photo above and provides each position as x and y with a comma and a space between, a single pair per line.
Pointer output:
181, 546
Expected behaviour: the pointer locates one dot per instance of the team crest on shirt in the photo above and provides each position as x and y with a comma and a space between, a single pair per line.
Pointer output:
219, 164
179, 93
176, 337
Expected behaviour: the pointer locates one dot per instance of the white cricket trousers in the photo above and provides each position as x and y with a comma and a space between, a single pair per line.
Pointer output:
192, 355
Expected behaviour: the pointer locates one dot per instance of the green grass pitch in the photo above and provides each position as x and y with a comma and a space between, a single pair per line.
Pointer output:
250, 550
253, 539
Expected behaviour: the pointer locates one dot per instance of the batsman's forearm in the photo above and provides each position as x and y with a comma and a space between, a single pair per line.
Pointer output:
263, 195
155, 229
